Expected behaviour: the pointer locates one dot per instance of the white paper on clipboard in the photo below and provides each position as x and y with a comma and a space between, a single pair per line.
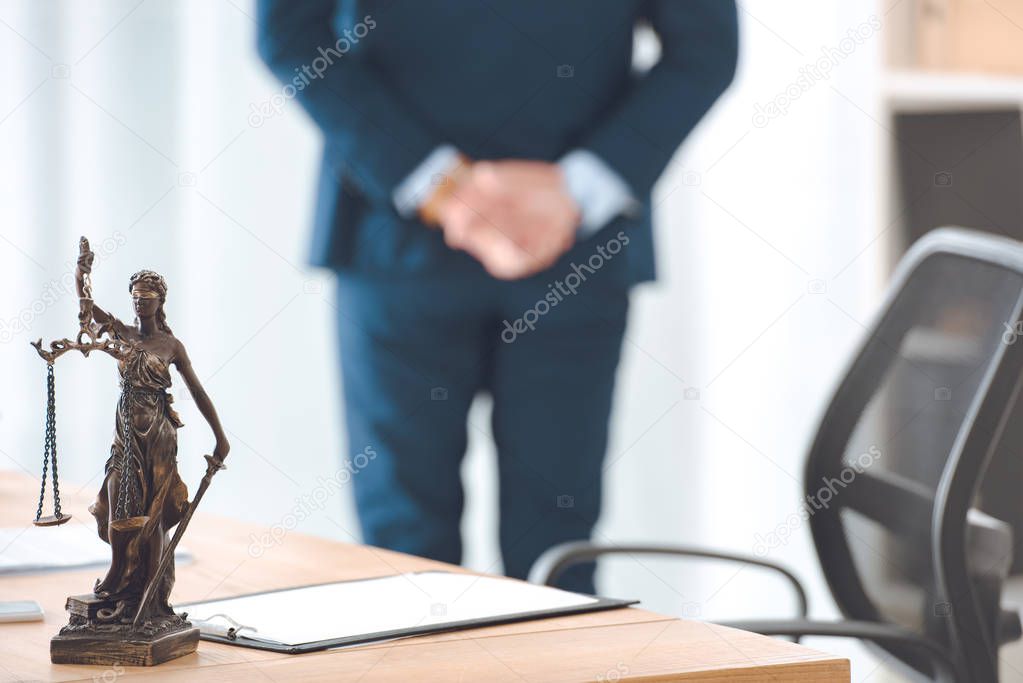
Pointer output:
392, 603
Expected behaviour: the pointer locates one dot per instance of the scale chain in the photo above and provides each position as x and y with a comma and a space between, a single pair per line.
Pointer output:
48, 441
52, 411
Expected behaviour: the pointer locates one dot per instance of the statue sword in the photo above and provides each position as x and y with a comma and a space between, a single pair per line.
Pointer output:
212, 466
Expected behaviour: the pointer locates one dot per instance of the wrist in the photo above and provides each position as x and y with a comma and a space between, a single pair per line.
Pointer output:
571, 200
445, 186
599, 192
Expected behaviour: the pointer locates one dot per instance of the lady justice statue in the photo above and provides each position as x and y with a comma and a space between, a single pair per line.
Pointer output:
128, 618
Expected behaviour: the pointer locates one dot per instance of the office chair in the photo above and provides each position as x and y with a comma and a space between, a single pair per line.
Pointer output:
914, 564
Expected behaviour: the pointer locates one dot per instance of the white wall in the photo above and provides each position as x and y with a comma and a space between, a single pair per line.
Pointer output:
148, 143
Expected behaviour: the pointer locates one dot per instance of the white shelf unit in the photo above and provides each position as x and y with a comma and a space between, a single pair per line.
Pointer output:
907, 90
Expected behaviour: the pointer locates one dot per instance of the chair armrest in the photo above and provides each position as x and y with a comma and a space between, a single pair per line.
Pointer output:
549, 566
863, 630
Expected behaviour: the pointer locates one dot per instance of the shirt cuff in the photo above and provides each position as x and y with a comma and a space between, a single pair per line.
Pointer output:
599, 191
417, 187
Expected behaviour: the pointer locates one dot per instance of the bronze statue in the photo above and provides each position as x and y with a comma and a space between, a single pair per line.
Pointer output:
128, 618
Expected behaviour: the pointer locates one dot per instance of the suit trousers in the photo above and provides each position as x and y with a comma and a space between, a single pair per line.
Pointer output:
415, 351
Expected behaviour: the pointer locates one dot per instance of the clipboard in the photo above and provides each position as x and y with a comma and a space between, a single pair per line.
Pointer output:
372, 610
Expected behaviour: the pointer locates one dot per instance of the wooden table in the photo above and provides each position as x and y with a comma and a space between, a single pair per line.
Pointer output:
625, 644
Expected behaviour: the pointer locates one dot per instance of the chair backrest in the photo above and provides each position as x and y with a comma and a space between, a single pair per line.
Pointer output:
893, 475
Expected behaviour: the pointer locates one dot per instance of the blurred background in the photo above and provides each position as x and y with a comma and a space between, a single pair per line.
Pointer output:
851, 129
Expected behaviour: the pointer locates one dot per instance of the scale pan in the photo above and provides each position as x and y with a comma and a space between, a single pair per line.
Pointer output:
52, 520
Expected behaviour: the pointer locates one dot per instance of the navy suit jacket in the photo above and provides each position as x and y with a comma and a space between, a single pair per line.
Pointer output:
387, 81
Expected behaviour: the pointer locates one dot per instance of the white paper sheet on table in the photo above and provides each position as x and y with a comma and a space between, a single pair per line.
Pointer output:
351, 609
73, 545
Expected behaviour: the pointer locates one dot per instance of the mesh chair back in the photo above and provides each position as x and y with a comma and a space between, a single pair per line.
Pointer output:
893, 474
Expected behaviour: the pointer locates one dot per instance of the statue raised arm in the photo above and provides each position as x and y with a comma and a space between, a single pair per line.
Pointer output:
88, 311
83, 283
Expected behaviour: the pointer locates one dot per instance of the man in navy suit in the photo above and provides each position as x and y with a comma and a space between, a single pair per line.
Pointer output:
485, 201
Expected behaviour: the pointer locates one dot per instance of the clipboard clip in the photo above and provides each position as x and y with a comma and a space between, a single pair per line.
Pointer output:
230, 631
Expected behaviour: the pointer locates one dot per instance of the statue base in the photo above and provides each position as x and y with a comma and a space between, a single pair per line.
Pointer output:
97, 634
